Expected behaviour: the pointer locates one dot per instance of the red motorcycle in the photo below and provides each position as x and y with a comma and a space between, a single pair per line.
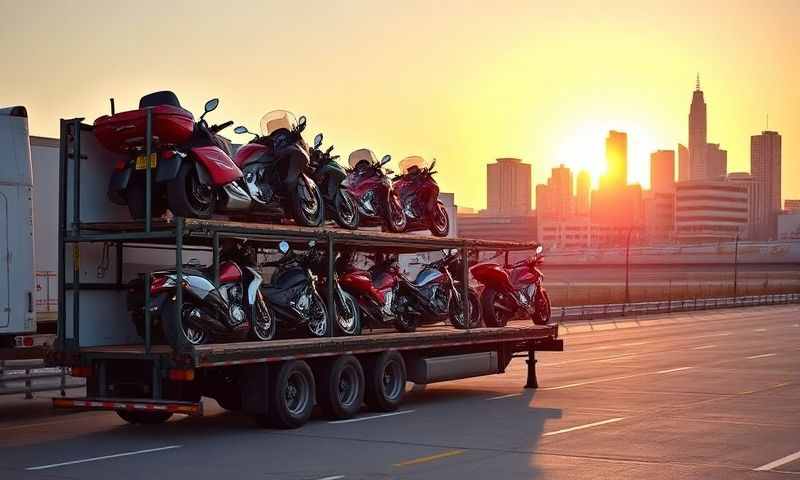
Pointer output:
375, 196
513, 291
385, 296
419, 195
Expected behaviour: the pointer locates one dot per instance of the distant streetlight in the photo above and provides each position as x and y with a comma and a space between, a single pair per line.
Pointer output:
627, 269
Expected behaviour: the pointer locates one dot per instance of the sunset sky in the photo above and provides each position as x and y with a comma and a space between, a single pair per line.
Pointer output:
461, 81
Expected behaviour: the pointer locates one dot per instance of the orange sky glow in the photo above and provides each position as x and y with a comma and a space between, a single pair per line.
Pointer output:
459, 82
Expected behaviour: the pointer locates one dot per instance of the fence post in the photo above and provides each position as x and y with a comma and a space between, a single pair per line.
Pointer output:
28, 394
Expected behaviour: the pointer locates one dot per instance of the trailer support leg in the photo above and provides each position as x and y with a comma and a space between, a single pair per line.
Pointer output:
531, 361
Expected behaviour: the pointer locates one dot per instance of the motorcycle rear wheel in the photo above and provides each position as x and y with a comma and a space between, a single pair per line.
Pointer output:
345, 212
307, 204
178, 335
137, 199
187, 196
492, 315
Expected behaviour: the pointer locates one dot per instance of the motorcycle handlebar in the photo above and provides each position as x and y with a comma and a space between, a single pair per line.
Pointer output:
218, 128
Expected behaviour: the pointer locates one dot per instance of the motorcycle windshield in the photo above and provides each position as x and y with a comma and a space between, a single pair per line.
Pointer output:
361, 155
277, 120
414, 162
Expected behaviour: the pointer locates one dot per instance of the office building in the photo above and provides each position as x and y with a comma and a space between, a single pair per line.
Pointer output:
791, 205
508, 187
555, 199
710, 211
617, 160
683, 163
583, 190
716, 162
662, 171
765, 167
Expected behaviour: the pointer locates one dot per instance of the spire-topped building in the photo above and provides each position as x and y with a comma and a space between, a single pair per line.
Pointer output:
697, 135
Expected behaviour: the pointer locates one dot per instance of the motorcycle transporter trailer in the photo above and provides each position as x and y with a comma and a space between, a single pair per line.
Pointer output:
277, 381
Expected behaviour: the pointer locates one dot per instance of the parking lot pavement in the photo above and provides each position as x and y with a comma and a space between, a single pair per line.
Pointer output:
712, 396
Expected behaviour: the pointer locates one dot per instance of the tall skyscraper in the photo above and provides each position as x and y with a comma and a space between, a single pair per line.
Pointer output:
683, 163
508, 187
765, 167
582, 189
555, 200
716, 162
697, 135
617, 159
662, 171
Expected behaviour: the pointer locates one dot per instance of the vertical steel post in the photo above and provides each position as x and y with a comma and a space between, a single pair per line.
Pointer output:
735, 268
627, 269
118, 261
76, 228
179, 267
62, 226
147, 317
532, 381
329, 283
465, 287
148, 189
215, 257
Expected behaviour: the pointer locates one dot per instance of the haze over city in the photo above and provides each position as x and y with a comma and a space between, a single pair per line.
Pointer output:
459, 82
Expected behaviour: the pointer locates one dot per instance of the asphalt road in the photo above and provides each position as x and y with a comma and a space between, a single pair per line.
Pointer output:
711, 395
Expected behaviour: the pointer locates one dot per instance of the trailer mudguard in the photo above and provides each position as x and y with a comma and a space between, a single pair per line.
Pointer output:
168, 168
118, 184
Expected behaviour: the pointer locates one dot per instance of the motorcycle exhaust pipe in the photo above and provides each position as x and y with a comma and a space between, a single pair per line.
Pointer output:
198, 318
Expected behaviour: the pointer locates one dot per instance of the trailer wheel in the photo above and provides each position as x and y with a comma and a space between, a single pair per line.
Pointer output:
341, 387
145, 418
386, 381
291, 395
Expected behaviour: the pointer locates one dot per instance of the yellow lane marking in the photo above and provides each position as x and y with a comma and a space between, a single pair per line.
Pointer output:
429, 458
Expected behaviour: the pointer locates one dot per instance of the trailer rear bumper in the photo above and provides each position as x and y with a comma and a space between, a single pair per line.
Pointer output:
130, 404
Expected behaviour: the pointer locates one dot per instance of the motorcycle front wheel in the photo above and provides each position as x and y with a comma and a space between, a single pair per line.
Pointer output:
187, 196
349, 318
396, 221
318, 317
543, 308
493, 314
457, 318
345, 211
307, 203
264, 325
177, 330
440, 221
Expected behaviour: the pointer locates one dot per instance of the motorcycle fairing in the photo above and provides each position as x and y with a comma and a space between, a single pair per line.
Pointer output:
229, 272
219, 165
492, 275
522, 276
426, 276
252, 152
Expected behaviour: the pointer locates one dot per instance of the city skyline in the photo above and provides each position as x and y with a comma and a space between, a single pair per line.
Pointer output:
535, 82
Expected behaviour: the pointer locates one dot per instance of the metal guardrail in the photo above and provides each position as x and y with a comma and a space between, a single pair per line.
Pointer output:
30, 376
590, 312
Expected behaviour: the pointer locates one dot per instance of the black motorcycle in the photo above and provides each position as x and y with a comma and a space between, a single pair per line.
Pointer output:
274, 166
296, 293
234, 311
329, 175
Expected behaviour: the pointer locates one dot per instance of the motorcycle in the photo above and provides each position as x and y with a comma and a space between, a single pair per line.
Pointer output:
274, 166
513, 291
419, 195
371, 187
329, 175
294, 294
233, 311
386, 296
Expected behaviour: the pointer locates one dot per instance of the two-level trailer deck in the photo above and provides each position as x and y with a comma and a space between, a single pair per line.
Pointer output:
277, 381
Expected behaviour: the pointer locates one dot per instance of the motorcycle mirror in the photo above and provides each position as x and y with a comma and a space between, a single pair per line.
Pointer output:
539, 250
283, 246
386, 159
240, 130
312, 243
433, 164
301, 123
211, 105
318, 140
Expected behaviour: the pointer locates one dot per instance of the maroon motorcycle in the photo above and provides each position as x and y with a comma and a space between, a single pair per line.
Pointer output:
419, 195
371, 188
513, 291
385, 296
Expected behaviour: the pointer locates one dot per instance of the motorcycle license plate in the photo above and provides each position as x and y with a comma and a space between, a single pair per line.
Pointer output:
141, 163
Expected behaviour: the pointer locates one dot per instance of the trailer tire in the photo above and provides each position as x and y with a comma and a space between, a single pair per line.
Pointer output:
291, 396
145, 418
341, 387
385, 381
